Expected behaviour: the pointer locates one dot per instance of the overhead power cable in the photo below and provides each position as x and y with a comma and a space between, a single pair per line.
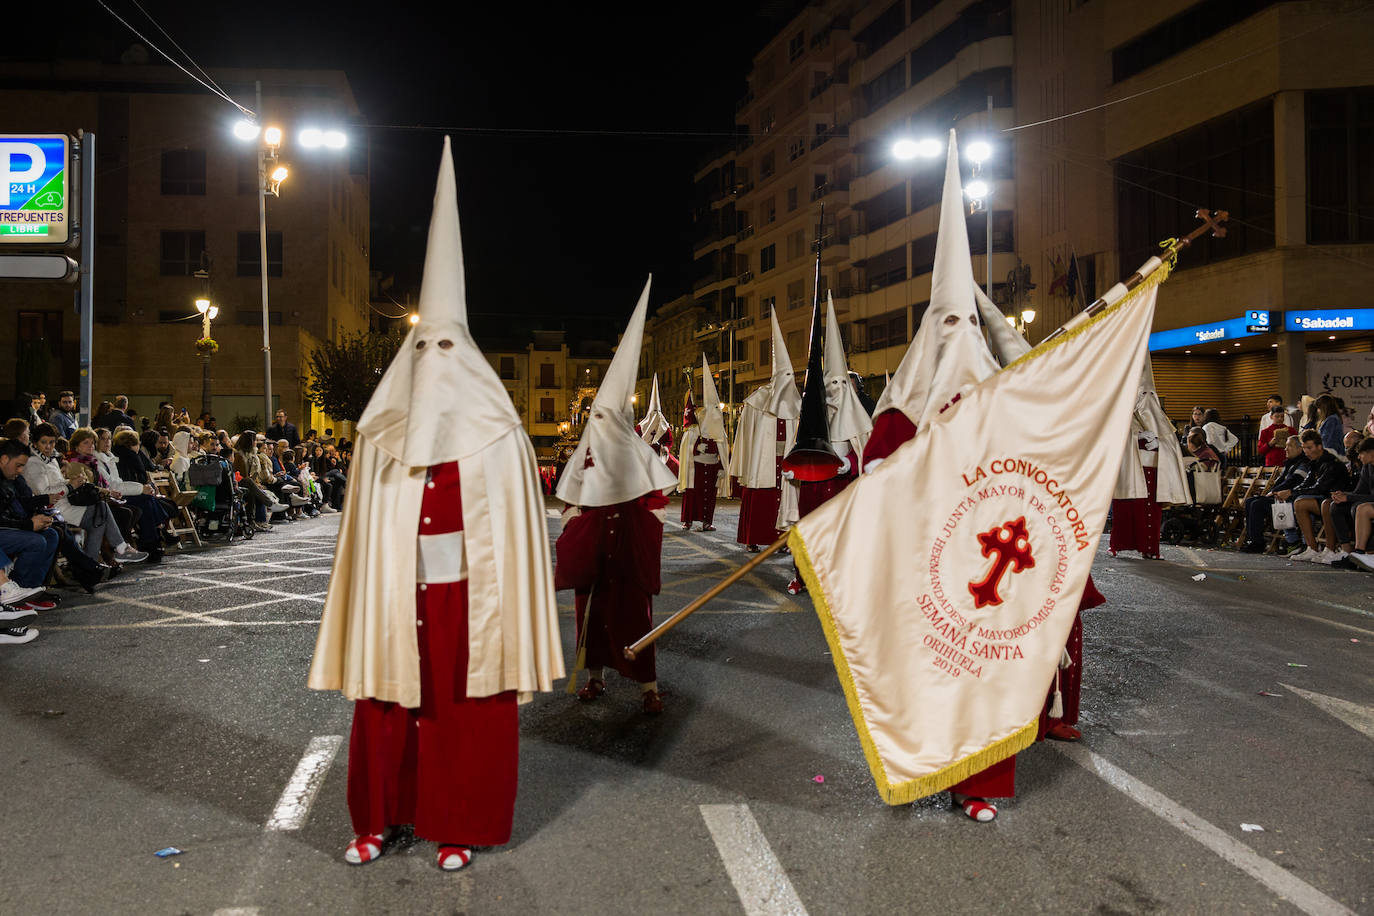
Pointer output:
184, 53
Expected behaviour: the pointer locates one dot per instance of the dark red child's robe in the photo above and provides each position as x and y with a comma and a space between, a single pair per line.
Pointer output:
891, 429
699, 500
610, 557
758, 507
450, 766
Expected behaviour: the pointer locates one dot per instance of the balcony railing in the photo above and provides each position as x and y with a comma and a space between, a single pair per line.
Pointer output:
839, 130
743, 323
743, 187
745, 277
744, 233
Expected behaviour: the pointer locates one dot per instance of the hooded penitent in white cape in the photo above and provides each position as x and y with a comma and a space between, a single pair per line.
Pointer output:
438, 402
654, 423
1162, 452
611, 463
850, 425
948, 351
754, 460
710, 425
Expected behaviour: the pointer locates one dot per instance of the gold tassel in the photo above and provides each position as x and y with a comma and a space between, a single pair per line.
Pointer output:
1057, 707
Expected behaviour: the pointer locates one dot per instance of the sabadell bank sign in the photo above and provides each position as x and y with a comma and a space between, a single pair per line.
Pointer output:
1330, 320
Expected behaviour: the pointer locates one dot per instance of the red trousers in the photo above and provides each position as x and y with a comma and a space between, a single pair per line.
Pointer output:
699, 502
1135, 522
449, 767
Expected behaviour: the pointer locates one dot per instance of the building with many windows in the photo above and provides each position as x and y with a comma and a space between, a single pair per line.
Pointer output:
176, 194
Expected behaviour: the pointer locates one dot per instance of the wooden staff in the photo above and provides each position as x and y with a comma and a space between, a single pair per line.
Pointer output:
649, 638
1211, 222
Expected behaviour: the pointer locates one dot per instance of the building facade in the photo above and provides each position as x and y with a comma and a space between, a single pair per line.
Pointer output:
176, 194
1109, 123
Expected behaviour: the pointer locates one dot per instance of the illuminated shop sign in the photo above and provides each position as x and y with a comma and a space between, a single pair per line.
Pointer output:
1249, 325
1330, 320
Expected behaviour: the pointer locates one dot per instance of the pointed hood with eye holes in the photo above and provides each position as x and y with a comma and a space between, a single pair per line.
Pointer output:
948, 351
440, 400
654, 423
612, 464
846, 418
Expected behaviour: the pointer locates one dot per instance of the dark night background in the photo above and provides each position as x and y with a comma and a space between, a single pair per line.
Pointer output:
559, 227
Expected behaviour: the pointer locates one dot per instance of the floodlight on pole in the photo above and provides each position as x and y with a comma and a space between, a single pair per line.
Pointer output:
246, 130
335, 139
272, 137
279, 174
979, 151
202, 305
311, 137
907, 149
977, 189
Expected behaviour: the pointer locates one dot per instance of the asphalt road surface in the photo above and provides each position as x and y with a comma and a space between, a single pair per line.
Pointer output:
171, 710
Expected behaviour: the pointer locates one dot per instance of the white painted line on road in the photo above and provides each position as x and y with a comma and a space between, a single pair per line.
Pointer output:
236, 911
1329, 622
763, 887
295, 800
1360, 718
1194, 557
1288, 886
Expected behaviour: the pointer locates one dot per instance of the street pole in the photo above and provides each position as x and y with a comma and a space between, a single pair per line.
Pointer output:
987, 280
262, 255
87, 291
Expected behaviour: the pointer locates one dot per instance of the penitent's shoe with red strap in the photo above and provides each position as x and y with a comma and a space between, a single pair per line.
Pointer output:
979, 809
453, 857
364, 849
593, 689
653, 703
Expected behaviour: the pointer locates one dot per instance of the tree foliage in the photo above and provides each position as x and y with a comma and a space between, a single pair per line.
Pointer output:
343, 375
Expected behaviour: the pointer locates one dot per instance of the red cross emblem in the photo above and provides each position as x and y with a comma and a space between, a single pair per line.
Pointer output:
1011, 544
587, 462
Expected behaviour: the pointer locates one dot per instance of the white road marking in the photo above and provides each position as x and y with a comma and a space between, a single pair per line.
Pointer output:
763, 887
1288, 886
1194, 557
294, 804
1360, 718
236, 911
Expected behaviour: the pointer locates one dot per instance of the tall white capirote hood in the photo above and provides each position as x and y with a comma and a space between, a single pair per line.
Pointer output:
846, 416
783, 398
440, 400
611, 463
1007, 343
708, 414
654, 423
948, 351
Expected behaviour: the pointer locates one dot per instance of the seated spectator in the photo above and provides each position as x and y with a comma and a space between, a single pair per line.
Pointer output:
1326, 475
64, 418
1199, 449
82, 452
1218, 436
1352, 450
327, 438
163, 421
326, 467
13, 629
1338, 512
16, 429
278, 483
1329, 424
26, 520
1307, 414
1273, 435
117, 456
1274, 400
248, 465
1296, 471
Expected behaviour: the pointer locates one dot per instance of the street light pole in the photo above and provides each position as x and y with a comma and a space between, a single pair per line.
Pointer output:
262, 256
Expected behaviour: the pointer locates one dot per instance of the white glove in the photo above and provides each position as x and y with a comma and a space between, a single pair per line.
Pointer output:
844, 465
788, 475
871, 464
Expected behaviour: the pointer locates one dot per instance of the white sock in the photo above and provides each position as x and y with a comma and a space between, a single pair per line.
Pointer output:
647, 686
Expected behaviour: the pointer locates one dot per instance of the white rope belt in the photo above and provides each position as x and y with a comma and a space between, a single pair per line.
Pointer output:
441, 558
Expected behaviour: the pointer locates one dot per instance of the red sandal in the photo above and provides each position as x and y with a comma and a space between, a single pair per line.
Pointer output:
978, 809
593, 689
453, 857
364, 849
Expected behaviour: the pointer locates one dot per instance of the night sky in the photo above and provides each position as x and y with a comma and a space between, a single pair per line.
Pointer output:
558, 226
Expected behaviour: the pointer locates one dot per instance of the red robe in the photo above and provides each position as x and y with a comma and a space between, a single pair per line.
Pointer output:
891, 429
813, 494
610, 557
699, 500
1135, 522
450, 766
758, 507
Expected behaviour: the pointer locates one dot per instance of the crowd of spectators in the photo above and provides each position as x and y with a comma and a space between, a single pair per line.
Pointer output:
88, 496
1324, 479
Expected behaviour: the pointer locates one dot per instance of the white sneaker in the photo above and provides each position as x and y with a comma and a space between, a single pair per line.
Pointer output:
297, 501
13, 593
17, 636
1305, 555
1364, 559
327, 510
277, 507
1333, 556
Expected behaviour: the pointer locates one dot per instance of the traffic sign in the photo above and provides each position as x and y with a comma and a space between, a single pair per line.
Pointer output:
33, 189
37, 267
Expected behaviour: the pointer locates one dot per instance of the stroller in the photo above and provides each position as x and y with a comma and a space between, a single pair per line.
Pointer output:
1196, 523
219, 502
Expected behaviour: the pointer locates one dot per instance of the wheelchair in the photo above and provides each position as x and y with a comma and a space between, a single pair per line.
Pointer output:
222, 511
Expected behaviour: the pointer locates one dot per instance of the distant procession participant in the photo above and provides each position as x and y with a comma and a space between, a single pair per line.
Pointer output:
704, 452
440, 614
1151, 475
657, 431
609, 552
767, 426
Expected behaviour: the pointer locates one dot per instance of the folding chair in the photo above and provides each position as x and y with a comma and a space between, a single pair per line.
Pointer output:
183, 525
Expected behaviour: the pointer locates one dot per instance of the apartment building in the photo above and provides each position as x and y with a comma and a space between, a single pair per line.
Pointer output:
550, 383
675, 338
176, 193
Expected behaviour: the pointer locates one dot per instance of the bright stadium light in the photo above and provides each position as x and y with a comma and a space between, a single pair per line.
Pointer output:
335, 139
977, 189
246, 130
311, 137
272, 136
979, 151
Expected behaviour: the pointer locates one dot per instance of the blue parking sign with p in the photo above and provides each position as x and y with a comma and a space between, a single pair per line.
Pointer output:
33, 188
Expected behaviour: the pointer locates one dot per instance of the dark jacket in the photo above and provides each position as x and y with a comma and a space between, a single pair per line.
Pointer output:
1364, 481
1324, 475
131, 466
287, 432
18, 504
113, 420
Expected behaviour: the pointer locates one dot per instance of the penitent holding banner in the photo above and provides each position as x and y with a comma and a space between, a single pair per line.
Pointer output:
947, 623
